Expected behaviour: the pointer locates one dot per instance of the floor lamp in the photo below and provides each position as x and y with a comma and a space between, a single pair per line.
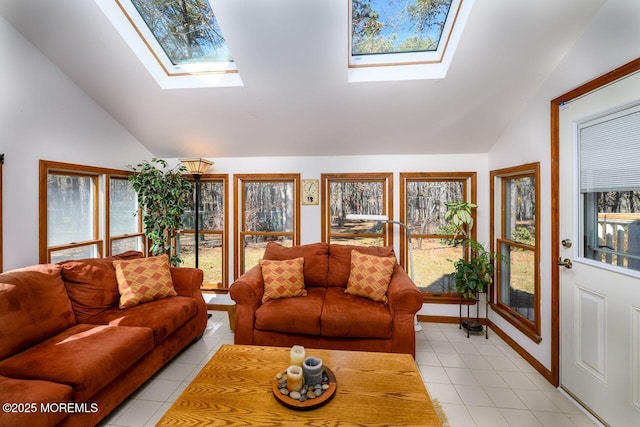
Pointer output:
385, 219
197, 167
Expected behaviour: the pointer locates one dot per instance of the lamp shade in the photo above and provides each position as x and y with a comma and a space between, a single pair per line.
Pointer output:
197, 166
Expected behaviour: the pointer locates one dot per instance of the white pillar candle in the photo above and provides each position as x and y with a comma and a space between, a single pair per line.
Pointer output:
294, 378
297, 355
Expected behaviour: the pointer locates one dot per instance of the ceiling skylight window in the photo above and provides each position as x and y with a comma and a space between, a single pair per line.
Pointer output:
188, 33
179, 41
420, 33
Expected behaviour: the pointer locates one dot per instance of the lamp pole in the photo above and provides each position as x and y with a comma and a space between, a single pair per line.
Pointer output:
197, 167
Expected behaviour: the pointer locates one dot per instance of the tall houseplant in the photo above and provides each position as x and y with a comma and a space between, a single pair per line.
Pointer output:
473, 273
163, 196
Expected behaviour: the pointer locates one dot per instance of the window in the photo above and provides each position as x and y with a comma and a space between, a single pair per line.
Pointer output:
268, 210
212, 225
86, 212
125, 229
422, 207
180, 42
416, 33
357, 194
609, 154
515, 193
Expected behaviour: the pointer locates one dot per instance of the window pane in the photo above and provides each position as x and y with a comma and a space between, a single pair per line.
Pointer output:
269, 206
517, 280
355, 197
81, 252
128, 244
187, 30
358, 241
520, 208
254, 247
433, 264
426, 205
209, 254
70, 216
123, 208
211, 205
612, 228
389, 26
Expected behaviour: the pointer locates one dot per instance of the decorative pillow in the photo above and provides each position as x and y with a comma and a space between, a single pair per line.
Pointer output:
283, 279
142, 280
370, 276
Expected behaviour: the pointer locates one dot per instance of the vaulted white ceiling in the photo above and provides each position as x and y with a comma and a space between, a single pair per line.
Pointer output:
292, 57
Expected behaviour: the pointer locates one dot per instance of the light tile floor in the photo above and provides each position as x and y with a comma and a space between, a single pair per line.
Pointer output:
479, 382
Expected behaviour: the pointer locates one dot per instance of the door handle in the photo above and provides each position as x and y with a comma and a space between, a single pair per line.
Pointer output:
565, 263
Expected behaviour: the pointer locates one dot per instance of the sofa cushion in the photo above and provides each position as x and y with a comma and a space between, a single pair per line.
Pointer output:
297, 315
164, 316
33, 306
91, 284
370, 276
282, 279
86, 357
340, 260
316, 261
33, 393
350, 316
143, 280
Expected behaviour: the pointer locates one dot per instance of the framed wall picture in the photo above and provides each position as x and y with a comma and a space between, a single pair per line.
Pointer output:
310, 191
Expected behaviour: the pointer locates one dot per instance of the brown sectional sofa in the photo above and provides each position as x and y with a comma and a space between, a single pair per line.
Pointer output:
69, 355
326, 317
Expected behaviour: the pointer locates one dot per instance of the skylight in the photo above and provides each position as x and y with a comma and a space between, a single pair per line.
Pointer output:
179, 41
407, 33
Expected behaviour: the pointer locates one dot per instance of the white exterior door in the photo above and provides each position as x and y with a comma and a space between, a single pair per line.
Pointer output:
600, 293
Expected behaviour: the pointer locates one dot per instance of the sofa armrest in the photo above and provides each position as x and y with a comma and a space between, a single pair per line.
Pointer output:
404, 296
247, 293
187, 281
248, 288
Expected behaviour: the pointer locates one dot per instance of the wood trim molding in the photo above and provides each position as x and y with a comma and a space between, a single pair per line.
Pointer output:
610, 77
1, 220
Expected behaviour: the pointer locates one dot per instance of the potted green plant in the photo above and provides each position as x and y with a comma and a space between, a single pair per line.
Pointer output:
164, 195
474, 271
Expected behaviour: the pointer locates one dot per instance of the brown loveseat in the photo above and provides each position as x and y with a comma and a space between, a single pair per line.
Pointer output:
69, 355
326, 317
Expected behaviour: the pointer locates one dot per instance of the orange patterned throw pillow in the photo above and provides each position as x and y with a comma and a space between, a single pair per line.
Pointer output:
143, 279
370, 276
283, 279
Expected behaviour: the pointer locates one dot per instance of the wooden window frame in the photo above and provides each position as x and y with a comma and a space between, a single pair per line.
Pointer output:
1, 210
239, 223
101, 178
386, 178
223, 233
528, 328
470, 188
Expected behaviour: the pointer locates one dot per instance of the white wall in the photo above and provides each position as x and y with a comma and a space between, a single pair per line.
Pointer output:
610, 41
44, 115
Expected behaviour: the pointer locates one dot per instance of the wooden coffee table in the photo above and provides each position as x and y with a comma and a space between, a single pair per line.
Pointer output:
235, 388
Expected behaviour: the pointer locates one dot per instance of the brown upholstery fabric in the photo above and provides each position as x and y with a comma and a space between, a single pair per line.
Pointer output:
296, 315
91, 284
32, 392
87, 357
164, 316
346, 315
340, 260
315, 260
33, 306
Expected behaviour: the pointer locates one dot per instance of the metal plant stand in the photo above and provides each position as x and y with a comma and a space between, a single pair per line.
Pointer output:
473, 325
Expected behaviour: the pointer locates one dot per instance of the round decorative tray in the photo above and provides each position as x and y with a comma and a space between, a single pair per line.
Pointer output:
309, 403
